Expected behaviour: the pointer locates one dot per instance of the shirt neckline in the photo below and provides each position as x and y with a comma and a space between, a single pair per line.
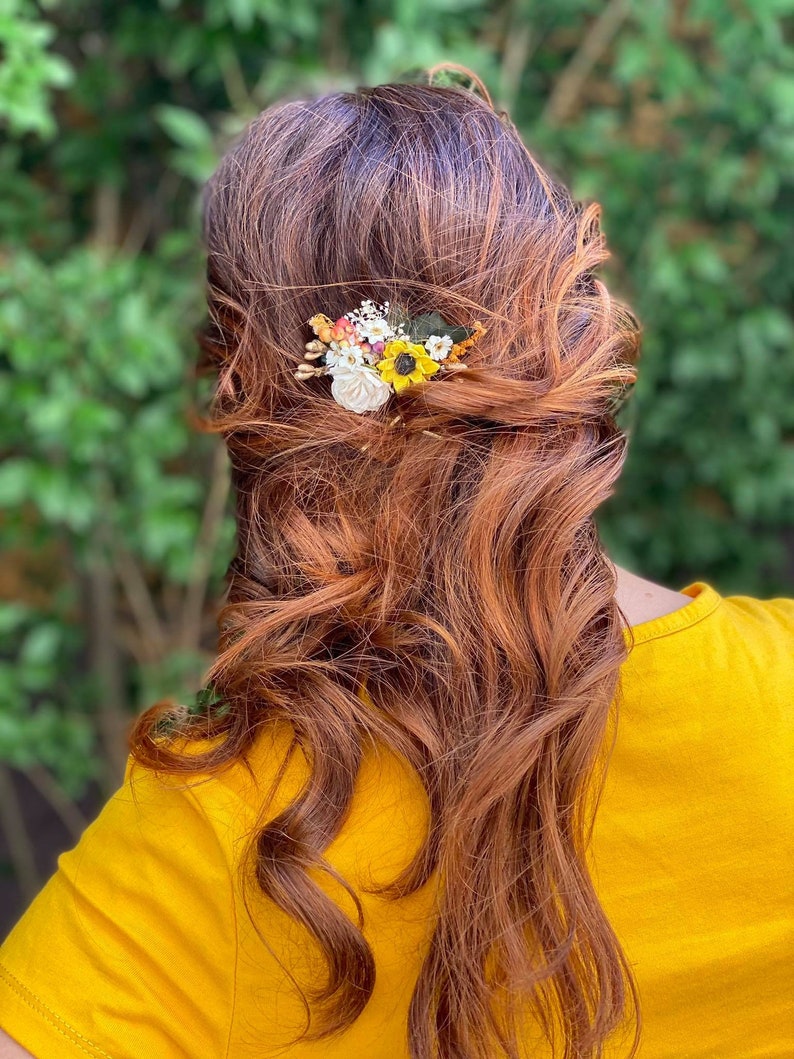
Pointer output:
705, 600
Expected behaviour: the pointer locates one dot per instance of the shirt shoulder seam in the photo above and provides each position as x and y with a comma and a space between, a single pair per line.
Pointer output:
677, 621
59, 1024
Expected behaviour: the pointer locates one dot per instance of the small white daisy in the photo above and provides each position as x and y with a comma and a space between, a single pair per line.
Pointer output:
377, 330
438, 346
343, 357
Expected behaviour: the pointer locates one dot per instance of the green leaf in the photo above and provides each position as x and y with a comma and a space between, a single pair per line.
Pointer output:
422, 327
460, 334
185, 127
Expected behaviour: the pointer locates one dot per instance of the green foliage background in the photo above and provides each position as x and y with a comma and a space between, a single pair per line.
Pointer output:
678, 117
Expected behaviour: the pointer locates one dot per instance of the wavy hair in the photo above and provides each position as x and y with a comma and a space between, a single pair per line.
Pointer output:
447, 564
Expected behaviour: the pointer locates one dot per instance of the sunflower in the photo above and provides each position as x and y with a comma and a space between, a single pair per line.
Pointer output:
405, 362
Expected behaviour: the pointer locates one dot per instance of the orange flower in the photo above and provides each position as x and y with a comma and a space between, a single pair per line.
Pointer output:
460, 347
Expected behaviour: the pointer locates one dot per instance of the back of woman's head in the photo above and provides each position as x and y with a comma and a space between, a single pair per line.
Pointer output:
446, 559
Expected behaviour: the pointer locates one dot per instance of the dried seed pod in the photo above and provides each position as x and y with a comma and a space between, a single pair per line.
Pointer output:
307, 371
315, 348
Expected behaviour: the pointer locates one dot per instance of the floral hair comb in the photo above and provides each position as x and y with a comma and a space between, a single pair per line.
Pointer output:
376, 350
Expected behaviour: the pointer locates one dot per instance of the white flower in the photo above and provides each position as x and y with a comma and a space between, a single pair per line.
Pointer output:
371, 321
377, 330
438, 346
343, 357
360, 389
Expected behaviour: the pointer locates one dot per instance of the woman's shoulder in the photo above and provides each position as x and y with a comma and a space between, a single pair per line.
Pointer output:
237, 796
641, 600
133, 923
652, 610
714, 651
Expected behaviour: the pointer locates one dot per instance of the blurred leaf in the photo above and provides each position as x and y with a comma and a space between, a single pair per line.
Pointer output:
28, 70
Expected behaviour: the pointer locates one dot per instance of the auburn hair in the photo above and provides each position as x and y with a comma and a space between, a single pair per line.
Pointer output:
457, 575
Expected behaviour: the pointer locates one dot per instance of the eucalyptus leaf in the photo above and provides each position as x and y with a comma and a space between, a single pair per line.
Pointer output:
422, 327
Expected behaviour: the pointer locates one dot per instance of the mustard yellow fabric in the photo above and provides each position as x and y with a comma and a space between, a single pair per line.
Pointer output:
140, 945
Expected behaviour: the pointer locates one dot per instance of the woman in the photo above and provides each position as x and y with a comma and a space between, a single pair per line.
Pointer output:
381, 840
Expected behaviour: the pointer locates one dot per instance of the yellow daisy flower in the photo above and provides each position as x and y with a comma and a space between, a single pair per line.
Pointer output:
405, 362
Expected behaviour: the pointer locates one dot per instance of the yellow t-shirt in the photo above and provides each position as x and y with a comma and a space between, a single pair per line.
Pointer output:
139, 945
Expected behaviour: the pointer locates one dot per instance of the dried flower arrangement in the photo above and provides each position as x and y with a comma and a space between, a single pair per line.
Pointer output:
376, 350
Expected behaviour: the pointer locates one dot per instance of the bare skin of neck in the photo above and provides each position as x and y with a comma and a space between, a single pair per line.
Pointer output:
642, 600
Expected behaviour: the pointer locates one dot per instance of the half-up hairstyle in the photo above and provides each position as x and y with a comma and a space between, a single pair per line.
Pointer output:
444, 594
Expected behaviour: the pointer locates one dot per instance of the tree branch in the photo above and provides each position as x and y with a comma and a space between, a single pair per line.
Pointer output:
519, 41
48, 787
189, 630
144, 611
107, 664
594, 43
20, 847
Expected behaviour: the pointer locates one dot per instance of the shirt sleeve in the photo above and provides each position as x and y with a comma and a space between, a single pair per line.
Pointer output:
129, 949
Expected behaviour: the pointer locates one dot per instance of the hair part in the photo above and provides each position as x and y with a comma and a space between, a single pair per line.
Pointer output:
459, 577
